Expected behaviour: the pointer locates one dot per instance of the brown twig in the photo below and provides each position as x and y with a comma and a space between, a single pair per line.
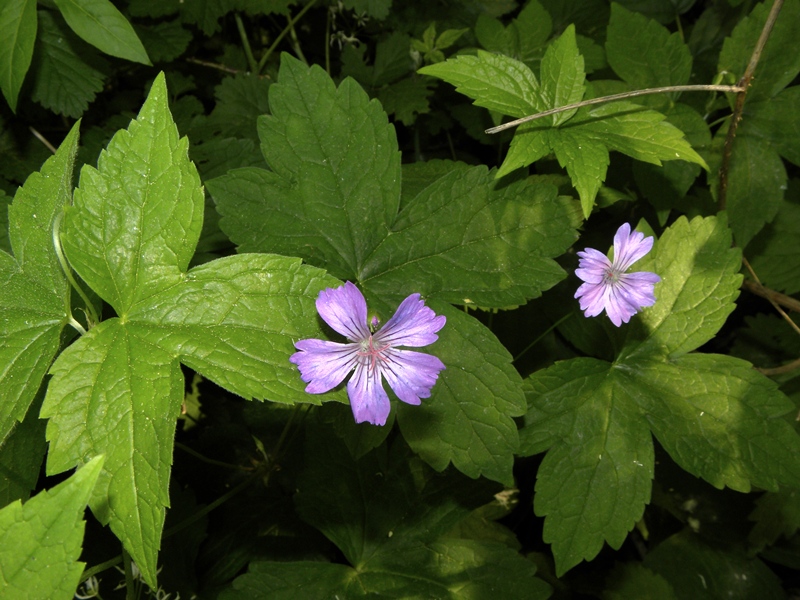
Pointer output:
783, 369
43, 139
211, 65
738, 108
771, 295
614, 98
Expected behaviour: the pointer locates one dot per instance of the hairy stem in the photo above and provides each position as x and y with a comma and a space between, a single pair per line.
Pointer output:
91, 315
614, 98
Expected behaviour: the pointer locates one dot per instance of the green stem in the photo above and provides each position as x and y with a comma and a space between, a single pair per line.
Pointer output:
296, 43
248, 52
283, 34
91, 314
103, 566
130, 592
210, 461
536, 341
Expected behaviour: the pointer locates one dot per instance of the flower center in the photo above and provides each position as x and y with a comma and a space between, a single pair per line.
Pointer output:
370, 352
611, 276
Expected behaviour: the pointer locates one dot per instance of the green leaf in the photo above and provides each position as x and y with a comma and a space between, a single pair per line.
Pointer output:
406, 99
720, 420
130, 235
755, 171
699, 283
779, 63
66, 73
774, 254
21, 456
34, 294
17, 34
696, 569
335, 182
164, 41
468, 419
523, 38
776, 514
144, 195
632, 580
465, 241
644, 53
563, 75
333, 154
99, 23
40, 541
595, 481
582, 139
777, 122
374, 8
493, 81
396, 548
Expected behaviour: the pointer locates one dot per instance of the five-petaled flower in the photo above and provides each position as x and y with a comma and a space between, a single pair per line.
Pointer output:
372, 356
607, 285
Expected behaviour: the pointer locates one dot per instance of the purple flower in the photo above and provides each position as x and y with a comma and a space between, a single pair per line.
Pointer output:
411, 375
608, 286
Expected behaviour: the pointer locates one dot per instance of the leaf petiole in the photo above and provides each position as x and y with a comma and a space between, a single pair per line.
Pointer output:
91, 315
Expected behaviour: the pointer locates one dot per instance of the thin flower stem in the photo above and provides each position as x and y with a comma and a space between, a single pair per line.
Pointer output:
211, 65
738, 108
296, 44
538, 339
283, 33
614, 98
248, 52
786, 317
91, 315
42, 139
328, 44
130, 592
210, 461
103, 566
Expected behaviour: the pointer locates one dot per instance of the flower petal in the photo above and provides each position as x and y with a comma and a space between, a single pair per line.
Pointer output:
413, 324
593, 266
324, 364
368, 400
592, 298
629, 247
345, 310
410, 374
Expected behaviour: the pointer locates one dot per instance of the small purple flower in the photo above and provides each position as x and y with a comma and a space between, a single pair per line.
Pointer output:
411, 375
608, 286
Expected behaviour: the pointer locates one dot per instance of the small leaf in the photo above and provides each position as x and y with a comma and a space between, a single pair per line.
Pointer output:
34, 292
99, 23
523, 38
66, 73
21, 456
165, 41
374, 8
644, 53
563, 75
17, 35
776, 514
493, 81
40, 541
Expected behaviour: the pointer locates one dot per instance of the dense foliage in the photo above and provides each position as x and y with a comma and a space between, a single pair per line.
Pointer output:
181, 181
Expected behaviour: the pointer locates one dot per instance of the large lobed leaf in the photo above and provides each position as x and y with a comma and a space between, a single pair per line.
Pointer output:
717, 417
395, 549
34, 294
40, 541
333, 197
130, 235
582, 139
